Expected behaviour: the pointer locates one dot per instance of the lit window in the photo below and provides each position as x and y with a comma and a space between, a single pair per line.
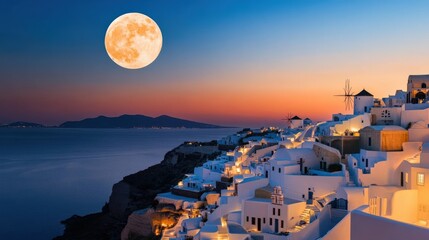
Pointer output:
406, 177
420, 179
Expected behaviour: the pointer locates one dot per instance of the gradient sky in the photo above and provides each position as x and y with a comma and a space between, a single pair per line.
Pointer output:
241, 63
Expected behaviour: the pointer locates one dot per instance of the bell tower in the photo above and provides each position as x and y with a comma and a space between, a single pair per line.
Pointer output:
418, 89
277, 197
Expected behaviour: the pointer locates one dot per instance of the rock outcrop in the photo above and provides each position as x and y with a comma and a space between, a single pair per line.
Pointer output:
139, 224
119, 199
137, 191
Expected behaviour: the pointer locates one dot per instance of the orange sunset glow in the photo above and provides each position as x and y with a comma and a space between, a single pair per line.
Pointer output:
203, 119
234, 99
218, 70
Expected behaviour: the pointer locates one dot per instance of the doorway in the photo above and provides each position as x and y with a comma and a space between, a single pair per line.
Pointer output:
276, 225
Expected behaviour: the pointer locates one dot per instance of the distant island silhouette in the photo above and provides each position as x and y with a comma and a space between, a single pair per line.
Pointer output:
23, 125
123, 121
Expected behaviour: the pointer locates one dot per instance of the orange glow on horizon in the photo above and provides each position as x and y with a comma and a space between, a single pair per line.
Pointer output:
253, 98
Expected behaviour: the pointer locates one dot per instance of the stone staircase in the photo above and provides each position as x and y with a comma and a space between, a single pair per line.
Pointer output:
306, 217
314, 209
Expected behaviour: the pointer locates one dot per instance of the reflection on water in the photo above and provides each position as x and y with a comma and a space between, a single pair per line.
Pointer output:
47, 175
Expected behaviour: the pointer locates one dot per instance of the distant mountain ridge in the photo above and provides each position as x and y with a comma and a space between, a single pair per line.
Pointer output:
23, 125
136, 121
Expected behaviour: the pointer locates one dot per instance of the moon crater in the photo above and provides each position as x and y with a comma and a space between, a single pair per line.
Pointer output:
133, 40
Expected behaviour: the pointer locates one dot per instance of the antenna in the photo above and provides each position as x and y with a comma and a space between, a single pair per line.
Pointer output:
348, 95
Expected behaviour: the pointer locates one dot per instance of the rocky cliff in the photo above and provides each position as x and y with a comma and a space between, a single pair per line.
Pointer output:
136, 192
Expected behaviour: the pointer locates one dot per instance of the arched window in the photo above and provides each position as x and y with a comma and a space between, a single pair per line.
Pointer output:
421, 95
423, 85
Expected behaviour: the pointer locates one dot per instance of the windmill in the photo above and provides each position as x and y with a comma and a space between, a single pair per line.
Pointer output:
348, 95
288, 120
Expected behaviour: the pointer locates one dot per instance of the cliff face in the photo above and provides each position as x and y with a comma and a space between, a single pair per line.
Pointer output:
137, 191
139, 224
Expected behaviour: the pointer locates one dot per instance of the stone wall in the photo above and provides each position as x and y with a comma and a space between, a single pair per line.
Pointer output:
329, 156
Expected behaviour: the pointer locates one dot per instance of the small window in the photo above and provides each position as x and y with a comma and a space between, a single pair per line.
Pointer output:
271, 221
280, 170
420, 179
369, 142
253, 221
282, 224
263, 220
278, 211
247, 219
272, 168
274, 211
406, 177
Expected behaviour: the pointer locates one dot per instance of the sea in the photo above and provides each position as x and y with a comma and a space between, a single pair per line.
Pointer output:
49, 174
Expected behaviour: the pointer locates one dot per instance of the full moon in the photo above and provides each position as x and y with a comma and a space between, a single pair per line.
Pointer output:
133, 40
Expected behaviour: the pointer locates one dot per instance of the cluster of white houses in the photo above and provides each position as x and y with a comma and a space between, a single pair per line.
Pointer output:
360, 176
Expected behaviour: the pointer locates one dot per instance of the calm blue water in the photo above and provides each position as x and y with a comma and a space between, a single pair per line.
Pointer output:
47, 175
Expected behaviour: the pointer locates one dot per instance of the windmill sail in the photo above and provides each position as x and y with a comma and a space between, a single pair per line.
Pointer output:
348, 95
288, 120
